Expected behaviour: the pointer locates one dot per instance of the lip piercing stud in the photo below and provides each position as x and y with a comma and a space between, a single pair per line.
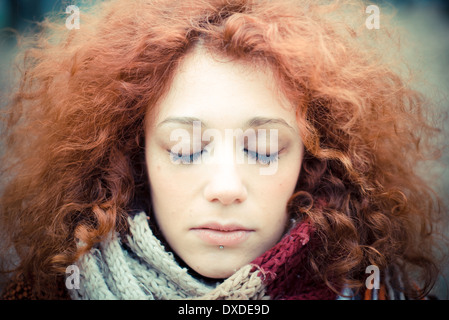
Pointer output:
221, 247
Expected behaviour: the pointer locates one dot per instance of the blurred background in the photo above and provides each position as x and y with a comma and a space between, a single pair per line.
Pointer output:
426, 23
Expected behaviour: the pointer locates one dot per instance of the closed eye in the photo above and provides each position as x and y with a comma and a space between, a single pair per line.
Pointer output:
264, 159
185, 158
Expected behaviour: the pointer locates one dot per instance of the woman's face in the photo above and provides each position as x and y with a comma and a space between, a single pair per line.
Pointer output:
223, 154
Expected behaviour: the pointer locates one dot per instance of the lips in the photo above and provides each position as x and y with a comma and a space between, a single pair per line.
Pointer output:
225, 235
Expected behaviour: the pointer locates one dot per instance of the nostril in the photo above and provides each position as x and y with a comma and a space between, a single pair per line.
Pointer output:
226, 189
226, 197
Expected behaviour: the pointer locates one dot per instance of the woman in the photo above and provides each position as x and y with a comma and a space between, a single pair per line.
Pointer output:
217, 150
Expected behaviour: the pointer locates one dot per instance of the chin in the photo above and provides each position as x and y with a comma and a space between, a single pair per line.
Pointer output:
218, 273
218, 265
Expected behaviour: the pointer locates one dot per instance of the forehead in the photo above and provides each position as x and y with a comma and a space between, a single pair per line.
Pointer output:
223, 92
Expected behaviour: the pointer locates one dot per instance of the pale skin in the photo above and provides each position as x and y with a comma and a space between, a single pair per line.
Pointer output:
222, 95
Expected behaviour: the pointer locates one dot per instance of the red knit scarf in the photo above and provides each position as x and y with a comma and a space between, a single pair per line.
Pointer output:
284, 272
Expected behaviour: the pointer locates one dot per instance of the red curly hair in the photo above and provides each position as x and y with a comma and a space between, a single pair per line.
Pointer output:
73, 132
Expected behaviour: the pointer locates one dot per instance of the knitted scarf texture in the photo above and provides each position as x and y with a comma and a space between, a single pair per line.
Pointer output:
144, 269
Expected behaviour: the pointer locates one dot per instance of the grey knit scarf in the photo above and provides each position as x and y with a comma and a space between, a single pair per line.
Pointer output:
148, 271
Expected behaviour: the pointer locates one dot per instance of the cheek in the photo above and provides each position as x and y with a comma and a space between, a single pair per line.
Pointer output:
273, 195
162, 179
272, 200
279, 189
171, 193
161, 186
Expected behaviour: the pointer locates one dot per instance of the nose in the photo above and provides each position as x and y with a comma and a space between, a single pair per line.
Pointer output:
225, 185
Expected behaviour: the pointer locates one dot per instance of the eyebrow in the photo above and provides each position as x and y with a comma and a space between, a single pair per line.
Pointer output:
181, 120
261, 121
253, 122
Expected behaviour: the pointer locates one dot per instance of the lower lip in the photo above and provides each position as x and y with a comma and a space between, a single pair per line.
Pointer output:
222, 238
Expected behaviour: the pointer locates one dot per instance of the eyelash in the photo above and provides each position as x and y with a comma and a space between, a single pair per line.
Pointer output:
190, 158
262, 159
186, 159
